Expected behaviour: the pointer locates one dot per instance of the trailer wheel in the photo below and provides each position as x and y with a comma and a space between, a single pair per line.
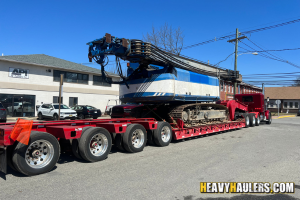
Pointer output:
270, 119
252, 119
10, 150
75, 143
95, 144
39, 156
257, 121
247, 120
134, 139
163, 134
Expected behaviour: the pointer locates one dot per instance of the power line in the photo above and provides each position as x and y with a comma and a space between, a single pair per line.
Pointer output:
274, 50
266, 56
268, 52
246, 32
270, 74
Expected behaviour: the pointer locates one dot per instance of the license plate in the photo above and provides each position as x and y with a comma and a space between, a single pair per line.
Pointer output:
95, 111
70, 115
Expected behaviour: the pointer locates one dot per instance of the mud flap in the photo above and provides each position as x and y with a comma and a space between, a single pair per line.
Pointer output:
3, 160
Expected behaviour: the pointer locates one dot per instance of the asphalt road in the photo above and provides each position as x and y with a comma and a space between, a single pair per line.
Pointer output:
268, 153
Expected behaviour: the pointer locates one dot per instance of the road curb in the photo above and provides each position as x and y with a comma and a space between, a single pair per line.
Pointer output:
286, 116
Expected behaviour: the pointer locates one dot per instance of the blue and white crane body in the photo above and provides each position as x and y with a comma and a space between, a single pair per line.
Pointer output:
176, 87
158, 86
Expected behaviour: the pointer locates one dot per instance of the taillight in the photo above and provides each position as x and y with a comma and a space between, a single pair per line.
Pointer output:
2, 109
88, 110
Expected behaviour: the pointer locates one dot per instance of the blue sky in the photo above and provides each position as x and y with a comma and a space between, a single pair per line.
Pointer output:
62, 28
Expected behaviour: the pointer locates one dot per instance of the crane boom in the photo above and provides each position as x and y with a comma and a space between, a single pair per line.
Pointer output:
144, 53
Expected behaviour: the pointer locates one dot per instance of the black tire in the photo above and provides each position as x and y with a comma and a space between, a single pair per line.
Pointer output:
73, 118
95, 117
22, 150
40, 116
159, 134
270, 120
10, 149
252, 119
15, 113
75, 143
257, 121
81, 116
85, 144
119, 142
247, 120
55, 117
141, 139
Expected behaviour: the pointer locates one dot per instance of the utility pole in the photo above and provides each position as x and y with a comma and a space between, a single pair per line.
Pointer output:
237, 38
60, 92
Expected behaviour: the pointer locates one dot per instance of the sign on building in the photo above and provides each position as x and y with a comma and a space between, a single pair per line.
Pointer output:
18, 73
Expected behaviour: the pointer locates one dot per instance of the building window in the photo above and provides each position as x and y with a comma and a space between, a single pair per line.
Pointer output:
225, 87
73, 101
98, 80
71, 77
228, 88
296, 104
285, 104
291, 104
232, 88
239, 89
222, 86
55, 99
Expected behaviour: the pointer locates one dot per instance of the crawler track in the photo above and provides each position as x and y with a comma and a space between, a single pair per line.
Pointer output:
177, 112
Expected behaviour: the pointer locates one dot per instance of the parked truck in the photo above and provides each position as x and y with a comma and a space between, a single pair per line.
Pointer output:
176, 97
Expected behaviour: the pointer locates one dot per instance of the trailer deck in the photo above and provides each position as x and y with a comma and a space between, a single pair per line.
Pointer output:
91, 139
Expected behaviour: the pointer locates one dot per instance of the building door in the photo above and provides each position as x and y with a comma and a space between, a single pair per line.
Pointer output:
73, 101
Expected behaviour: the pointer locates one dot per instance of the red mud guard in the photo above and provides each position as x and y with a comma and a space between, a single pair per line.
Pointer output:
3, 164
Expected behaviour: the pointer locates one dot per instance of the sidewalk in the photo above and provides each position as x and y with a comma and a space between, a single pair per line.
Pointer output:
12, 119
16, 118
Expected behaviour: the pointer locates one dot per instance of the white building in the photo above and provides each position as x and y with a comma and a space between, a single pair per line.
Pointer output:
31, 80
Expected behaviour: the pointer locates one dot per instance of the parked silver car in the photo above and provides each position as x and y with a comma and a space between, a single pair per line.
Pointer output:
3, 113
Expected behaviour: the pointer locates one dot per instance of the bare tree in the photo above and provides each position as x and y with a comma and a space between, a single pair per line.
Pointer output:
166, 37
297, 82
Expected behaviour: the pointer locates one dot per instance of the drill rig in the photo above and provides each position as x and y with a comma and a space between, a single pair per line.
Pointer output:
170, 86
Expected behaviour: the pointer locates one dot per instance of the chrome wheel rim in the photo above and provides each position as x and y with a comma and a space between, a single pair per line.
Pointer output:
98, 144
258, 120
247, 120
138, 138
253, 120
39, 154
165, 134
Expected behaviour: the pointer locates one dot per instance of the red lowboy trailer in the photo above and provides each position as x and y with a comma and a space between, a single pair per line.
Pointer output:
92, 140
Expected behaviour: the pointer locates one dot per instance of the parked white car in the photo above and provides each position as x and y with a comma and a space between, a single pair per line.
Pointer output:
51, 111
